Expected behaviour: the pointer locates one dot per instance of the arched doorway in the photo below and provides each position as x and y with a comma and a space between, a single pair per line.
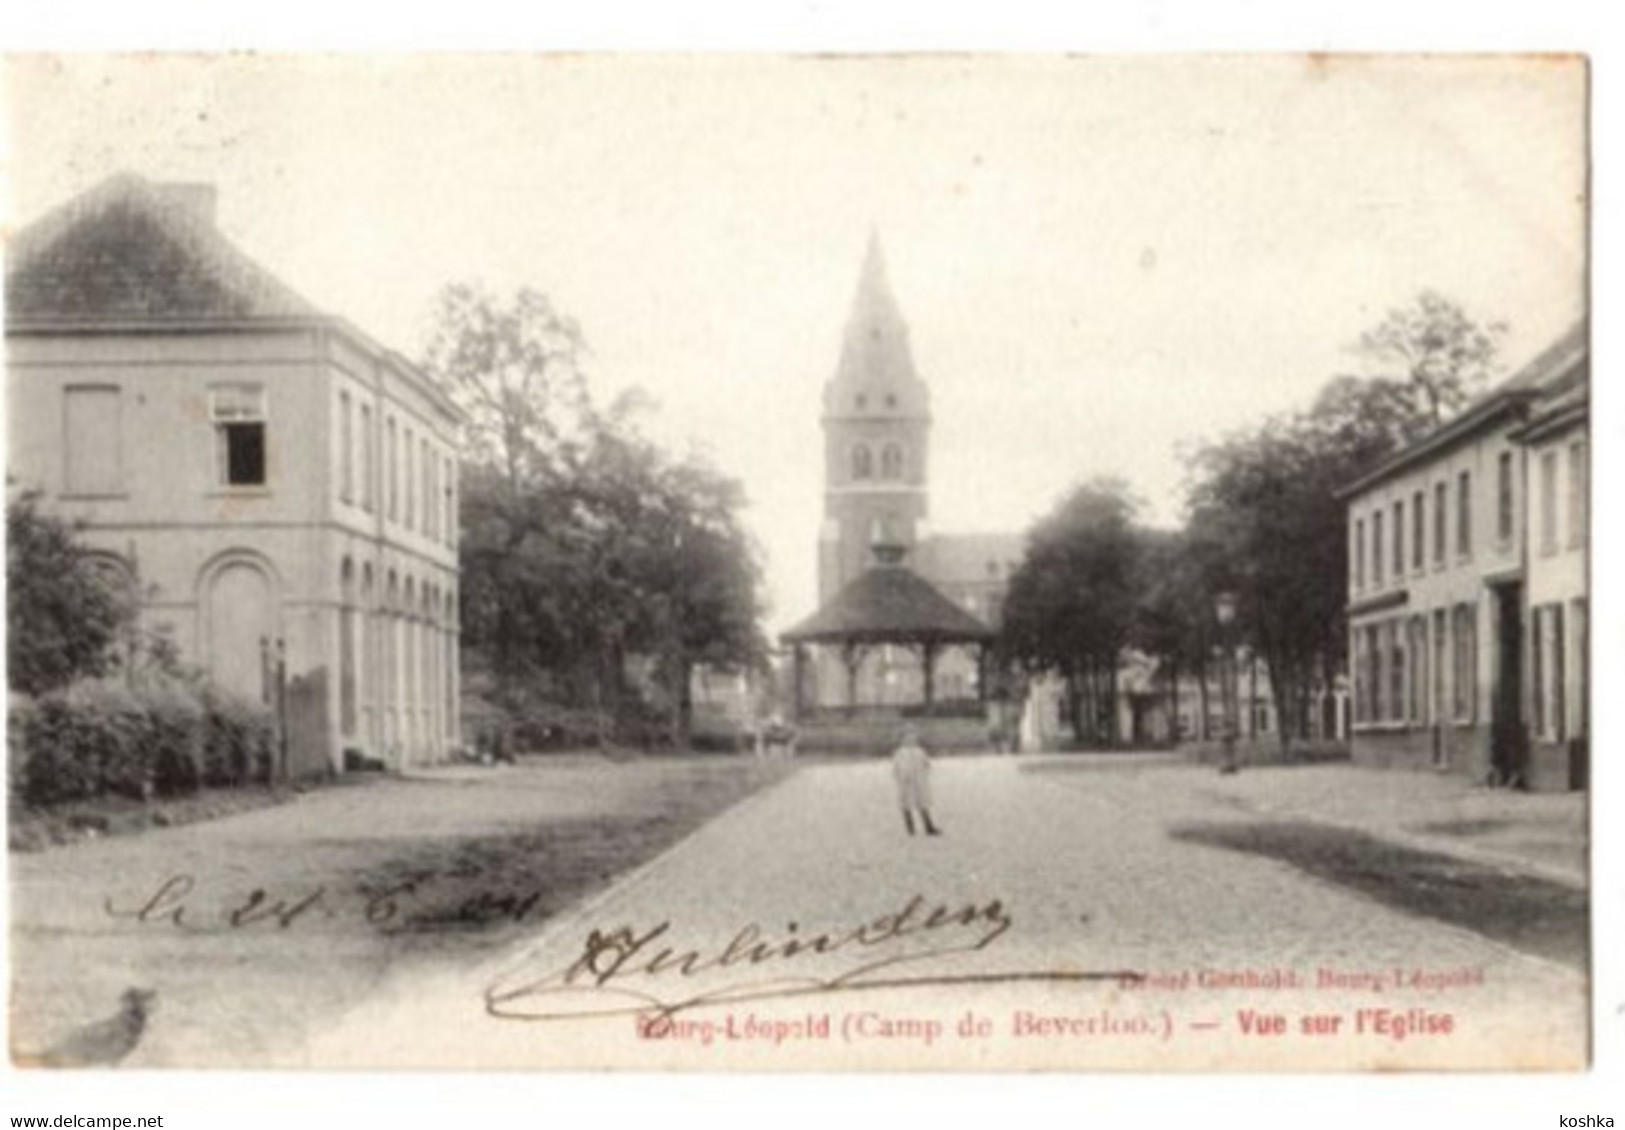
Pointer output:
240, 615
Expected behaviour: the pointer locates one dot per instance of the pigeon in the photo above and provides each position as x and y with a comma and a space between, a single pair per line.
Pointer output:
106, 1042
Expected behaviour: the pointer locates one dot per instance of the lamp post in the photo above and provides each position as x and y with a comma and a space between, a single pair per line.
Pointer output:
1224, 610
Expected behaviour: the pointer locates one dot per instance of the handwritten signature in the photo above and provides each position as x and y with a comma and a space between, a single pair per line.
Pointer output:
401, 903
628, 971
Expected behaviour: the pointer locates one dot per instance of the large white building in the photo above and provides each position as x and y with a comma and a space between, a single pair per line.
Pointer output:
1467, 586
276, 484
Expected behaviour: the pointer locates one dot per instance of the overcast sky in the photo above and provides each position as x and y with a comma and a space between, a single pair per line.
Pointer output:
1101, 261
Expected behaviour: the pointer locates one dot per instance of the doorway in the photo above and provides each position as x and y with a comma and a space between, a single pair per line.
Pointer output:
1508, 742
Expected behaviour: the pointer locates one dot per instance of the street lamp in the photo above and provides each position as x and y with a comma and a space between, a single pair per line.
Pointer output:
1224, 610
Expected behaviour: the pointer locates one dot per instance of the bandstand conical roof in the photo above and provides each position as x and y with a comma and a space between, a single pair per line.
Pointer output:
889, 603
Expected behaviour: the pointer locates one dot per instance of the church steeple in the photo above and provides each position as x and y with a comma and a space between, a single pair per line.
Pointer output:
877, 421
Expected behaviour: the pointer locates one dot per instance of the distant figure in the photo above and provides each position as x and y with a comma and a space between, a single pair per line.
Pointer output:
106, 1042
911, 768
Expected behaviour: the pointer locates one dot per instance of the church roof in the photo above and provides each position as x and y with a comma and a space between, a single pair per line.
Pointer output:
963, 559
889, 604
132, 250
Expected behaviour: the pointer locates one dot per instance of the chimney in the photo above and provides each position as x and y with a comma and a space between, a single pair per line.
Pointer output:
194, 199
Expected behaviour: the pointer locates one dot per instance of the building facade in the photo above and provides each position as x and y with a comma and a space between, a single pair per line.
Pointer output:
279, 490
1440, 587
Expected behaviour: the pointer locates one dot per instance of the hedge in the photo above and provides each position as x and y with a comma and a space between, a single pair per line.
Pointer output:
161, 738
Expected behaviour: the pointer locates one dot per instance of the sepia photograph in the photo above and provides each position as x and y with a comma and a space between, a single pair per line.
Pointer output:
757, 563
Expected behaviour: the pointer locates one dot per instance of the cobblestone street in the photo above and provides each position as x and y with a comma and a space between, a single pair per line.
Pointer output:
1050, 884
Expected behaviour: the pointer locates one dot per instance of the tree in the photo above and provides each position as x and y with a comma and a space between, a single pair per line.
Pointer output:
1071, 602
584, 544
62, 617
1433, 352
1173, 619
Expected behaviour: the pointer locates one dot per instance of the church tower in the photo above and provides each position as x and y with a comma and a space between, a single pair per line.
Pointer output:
877, 421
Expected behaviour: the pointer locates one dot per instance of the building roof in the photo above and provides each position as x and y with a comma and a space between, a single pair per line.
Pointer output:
1556, 367
967, 559
889, 604
132, 250
132, 253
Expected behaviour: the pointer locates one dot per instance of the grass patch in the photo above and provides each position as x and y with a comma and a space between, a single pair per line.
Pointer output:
475, 893
1531, 914
37, 829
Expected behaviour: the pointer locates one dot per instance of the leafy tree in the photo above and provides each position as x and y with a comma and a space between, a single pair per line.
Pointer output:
1072, 601
1173, 619
63, 619
1434, 354
584, 544
1265, 502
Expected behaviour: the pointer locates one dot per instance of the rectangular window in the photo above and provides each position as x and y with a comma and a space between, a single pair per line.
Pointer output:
1396, 675
1559, 706
392, 483
1581, 698
1464, 514
1465, 673
1440, 706
1537, 670
426, 473
1577, 495
1374, 674
1376, 547
451, 502
1503, 499
238, 412
1441, 526
1362, 684
409, 482
1419, 670
1359, 554
93, 440
1419, 529
369, 468
346, 450
1548, 502
1399, 539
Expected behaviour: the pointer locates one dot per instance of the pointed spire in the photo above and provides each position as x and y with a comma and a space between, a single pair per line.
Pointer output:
875, 348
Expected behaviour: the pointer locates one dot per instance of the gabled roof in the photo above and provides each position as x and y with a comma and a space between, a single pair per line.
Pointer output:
889, 604
135, 251
1557, 366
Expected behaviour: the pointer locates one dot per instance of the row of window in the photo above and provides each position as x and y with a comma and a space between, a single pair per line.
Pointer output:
1395, 546
413, 648
418, 481
863, 461
1391, 539
1401, 666
93, 438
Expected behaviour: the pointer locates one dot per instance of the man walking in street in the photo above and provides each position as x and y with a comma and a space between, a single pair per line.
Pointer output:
911, 769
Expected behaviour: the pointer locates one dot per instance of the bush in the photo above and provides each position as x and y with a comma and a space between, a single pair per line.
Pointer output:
85, 740
237, 741
175, 737
158, 738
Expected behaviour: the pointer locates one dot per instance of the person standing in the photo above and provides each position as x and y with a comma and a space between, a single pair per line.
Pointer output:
911, 769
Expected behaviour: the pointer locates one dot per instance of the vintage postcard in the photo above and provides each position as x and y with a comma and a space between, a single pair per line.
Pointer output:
763, 563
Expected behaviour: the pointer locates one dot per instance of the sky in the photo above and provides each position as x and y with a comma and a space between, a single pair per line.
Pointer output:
1103, 260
